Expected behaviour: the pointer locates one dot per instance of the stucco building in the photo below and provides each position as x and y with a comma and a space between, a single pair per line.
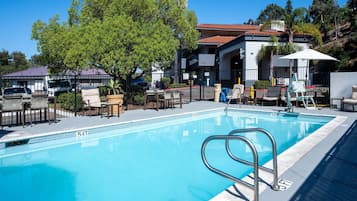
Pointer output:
228, 52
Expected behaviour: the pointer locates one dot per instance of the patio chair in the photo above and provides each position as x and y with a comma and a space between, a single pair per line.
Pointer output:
10, 104
236, 93
350, 101
298, 87
166, 99
259, 94
272, 95
176, 98
39, 102
91, 99
284, 98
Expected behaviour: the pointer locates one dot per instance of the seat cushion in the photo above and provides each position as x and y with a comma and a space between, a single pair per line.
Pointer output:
350, 101
270, 98
354, 92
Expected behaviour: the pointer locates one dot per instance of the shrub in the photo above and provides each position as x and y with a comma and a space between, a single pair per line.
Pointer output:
103, 90
67, 101
178, 85
139, 99
262, 84
165, 82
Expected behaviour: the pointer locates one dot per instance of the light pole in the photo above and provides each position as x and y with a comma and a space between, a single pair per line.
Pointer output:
190, 81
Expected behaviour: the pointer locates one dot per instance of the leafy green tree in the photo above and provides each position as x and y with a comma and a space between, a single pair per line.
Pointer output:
325, 14
38, 60
18, 59
117, 35
352, 13
267, 52
271, 12
52, 42
295, 21
4, 57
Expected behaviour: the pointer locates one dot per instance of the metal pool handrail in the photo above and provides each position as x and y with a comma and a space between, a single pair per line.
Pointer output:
254, 187
274, 171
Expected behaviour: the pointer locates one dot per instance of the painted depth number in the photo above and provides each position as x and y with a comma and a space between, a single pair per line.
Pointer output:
284, 184
81, 134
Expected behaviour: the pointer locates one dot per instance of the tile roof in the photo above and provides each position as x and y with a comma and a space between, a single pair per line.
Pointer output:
34, 71
274, 33
43, 71
265, 33
216, 40
228, 27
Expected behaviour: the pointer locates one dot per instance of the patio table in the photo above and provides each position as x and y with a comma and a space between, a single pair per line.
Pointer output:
110, 107
153, 95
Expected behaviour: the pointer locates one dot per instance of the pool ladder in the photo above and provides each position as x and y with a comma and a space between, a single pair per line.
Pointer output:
232, 136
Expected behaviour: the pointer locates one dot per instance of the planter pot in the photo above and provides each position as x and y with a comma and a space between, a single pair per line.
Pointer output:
116, 99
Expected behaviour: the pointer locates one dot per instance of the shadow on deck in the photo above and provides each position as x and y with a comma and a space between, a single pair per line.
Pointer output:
335, 178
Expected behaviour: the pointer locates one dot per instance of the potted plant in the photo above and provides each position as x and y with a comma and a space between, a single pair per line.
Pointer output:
115, 94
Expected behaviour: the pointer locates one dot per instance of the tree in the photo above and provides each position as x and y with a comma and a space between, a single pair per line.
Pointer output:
267, 52
271, 12
295, 21
18, 59
38, 60
324, 13
53, 42
352, 7
4, 58
119, 36
250, 21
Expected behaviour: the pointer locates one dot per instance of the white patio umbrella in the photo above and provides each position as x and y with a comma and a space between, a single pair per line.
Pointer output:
308, 54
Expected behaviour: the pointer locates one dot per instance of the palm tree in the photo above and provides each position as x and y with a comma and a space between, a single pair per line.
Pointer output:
275, 49
295, 22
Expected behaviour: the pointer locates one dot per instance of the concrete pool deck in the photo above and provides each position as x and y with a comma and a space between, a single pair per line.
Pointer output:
298, 173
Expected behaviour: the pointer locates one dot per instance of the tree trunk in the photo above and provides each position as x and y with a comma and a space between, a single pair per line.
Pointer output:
176, 68
271, 67
291, 40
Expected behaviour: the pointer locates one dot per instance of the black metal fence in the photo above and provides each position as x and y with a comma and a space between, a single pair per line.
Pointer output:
65, 94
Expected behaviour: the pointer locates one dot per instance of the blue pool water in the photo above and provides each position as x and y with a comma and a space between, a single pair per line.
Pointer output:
150, 160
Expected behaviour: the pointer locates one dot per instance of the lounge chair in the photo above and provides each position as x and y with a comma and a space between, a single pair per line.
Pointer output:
298, 87
284, 98
236, 93
10, 104
176, 98
259, 94
272, 95
350, 101
91, 99
39, 102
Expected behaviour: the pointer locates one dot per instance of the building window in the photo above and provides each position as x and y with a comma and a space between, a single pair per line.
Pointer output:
211, 50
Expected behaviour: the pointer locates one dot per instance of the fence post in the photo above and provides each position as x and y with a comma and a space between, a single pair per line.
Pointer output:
75, 94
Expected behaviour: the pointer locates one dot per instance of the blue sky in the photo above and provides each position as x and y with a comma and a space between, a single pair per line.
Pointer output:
17, 16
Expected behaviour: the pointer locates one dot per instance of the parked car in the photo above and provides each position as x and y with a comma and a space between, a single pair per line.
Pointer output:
140, 82
24, 91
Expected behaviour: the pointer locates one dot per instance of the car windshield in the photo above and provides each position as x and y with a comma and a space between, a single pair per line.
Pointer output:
17, 90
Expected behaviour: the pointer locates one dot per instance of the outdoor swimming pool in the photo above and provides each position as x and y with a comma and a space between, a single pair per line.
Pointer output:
145, 160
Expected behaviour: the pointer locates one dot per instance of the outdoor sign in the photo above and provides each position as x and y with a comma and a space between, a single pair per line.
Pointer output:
185, 76
183, 63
